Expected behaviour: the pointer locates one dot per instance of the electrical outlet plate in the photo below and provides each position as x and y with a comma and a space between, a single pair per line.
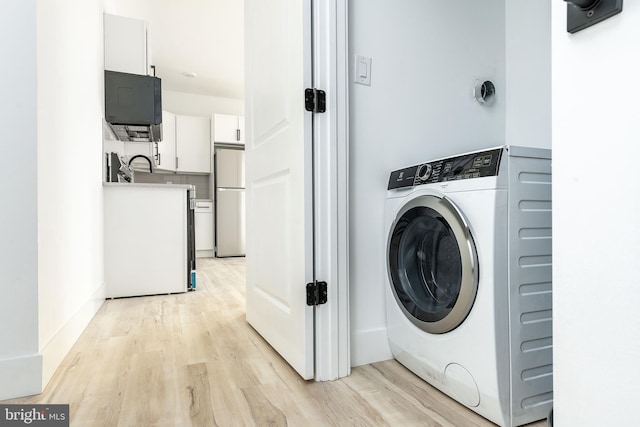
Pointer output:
578, 19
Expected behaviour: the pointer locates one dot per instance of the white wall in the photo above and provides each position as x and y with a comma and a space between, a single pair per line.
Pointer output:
596, 236
20, 363
426, 56
528, 75
189, 104
52, 267
70, 209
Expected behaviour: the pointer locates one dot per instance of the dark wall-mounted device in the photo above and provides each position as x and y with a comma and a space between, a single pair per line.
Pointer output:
582, 14
133, 106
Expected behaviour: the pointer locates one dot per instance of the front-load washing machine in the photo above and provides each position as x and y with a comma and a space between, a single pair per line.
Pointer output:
468, 293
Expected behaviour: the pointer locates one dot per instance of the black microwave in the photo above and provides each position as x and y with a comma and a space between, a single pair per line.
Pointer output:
132, 99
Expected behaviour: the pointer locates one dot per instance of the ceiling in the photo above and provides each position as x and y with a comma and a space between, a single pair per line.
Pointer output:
205, 37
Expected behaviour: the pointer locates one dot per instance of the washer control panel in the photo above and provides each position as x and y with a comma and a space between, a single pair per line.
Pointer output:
467, 166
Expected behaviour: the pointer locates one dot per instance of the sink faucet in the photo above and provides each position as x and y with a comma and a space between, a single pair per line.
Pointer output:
144, 157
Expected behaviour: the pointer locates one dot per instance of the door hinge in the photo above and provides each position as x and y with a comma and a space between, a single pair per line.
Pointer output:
315, 100
316, 293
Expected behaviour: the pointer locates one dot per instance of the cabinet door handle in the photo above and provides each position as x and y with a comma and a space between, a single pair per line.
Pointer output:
159, 161
176, 163
237, 134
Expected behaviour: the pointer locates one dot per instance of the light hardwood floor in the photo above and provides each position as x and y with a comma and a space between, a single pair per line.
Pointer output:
191, 359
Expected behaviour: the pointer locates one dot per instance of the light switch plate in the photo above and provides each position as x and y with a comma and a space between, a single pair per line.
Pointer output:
362, 70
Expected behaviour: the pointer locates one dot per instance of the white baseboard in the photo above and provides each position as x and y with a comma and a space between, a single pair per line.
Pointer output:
369, 347
204, 254
20, 376
57, 348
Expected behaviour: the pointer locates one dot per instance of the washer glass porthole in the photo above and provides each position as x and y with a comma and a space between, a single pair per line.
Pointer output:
433, 265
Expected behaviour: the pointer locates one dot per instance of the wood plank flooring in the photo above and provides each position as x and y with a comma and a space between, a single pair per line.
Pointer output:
192, 360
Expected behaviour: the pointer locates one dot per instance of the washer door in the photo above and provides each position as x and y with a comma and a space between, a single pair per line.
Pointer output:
432, 264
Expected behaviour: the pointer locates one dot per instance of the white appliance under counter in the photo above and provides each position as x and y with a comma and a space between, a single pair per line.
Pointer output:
146, 239
204, 228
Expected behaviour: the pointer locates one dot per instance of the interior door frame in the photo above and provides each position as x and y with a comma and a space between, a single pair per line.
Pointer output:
331, 179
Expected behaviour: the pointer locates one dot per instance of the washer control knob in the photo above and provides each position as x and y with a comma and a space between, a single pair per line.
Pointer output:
424, 172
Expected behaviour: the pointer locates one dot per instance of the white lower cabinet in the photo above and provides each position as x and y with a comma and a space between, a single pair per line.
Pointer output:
204, 228
145, 239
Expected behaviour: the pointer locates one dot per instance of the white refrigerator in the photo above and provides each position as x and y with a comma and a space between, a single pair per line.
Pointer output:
229, 202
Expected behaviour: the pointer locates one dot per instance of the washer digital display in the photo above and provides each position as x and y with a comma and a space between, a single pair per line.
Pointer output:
468, 166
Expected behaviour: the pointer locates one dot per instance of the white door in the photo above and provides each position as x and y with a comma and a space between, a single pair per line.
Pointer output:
279, 177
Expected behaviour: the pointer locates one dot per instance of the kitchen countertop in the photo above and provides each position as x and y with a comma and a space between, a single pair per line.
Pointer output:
144, 185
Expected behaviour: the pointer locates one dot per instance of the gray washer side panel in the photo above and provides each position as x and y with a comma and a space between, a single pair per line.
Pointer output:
530, 283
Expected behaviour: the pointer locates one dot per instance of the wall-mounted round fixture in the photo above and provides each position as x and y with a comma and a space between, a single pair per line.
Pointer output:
484, 91
190, 74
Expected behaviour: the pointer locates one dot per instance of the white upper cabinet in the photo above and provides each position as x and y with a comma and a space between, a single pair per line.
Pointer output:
241, 130
185, 145
193, 144
165, 155
228, 129
125, 45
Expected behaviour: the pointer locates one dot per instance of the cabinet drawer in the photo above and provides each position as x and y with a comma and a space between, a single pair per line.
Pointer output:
204, 207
